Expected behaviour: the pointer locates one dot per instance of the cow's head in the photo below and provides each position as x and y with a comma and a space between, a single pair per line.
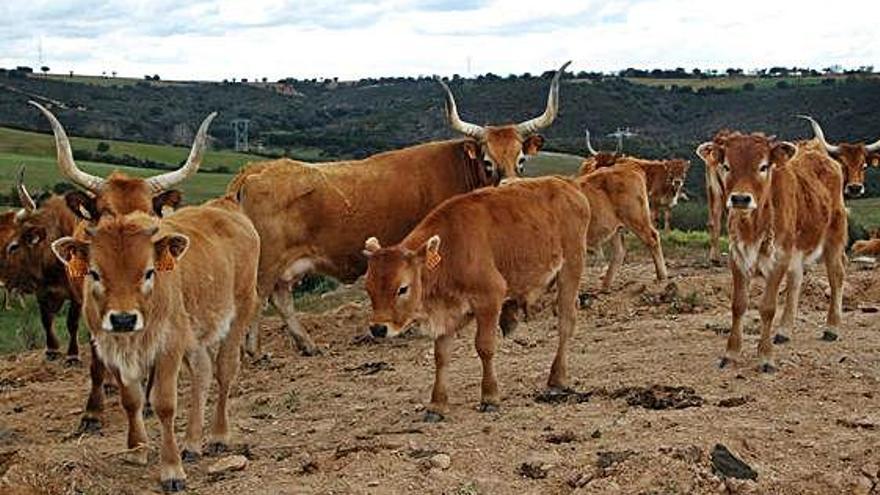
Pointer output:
120, 194
123, 260
854, 158
745, 165
394, 283
503, 150
676, 174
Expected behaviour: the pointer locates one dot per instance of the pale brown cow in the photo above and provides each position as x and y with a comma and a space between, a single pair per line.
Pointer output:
471, 254
714, 193
147, 305
315, 218
785, 209
853, 157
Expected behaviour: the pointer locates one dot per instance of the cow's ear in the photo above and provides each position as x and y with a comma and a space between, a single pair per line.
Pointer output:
74, 254
533, 144
83, 205
429, 253
169, 250
705, 150
33, 235
782, 152
471, 149
371, 246
166, 202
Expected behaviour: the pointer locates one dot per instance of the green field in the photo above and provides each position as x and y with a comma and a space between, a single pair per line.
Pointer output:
735, 82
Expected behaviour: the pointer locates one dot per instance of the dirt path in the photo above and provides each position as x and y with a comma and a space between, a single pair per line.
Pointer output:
350, 420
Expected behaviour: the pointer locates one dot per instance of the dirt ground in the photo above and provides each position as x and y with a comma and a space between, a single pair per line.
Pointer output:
350, 421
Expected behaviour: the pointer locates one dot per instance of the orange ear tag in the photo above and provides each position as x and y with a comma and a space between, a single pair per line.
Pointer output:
433, 261
165, 263
77, 268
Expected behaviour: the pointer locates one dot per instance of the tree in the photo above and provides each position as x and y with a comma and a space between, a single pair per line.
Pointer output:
114, 74
45, 70
102, 147
71, 74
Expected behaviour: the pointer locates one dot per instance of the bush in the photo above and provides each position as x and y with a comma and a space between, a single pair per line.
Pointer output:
749, 86
102, 147
783, 85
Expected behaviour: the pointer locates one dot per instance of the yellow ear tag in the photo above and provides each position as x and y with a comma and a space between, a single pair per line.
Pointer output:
77, 268
165, 263
433, 260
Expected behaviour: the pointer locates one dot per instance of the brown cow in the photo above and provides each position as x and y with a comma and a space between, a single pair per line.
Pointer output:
28, 265
785, 209
854, 158
118, 195
467, 257
714, 193
315, 218
618, 198
147, 305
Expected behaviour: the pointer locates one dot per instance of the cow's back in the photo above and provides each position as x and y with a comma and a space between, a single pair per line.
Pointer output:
609, 191
808, 196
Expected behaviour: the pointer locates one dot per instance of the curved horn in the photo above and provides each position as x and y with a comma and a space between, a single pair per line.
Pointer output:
170, 179
455, 121
26, 200
875, 146
544, 120
65, 155
589, 145
817, 130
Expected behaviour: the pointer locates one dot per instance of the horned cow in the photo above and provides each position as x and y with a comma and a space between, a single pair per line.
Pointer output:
471, 254
853, 157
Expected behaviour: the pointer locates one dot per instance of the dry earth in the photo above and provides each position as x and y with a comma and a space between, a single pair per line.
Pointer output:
350, 420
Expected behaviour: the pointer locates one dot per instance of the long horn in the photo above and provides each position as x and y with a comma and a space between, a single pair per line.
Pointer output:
817, 130
875, 146
26, 200
65, 155
168, 180
589, 144
544, 120
455, 121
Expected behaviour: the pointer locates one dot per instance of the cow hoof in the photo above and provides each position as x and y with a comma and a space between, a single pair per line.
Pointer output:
72, 362
189, 457
215, 448
433, 417
88, 425
173, 485
768, 368
829, 336
311, 352
52, 355
725, 362
148, 410
485, 407
779, 339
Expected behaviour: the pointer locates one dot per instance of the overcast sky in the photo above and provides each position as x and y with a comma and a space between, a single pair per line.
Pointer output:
201, 39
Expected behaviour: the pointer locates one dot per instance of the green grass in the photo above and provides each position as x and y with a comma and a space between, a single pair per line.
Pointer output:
550, 163
735, 82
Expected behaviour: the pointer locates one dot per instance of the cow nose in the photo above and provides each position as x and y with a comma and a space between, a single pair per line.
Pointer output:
378, 330
855, 189
677, 184
123, 322
741, 200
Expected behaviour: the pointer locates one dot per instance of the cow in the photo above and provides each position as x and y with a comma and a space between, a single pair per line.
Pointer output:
714, 193
469, 256
162, 293
785, 210
27, 264
118, 194
618, 198
853, 157
315, 218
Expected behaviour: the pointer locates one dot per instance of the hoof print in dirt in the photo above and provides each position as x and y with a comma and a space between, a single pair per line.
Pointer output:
659, 397
734, 401
432, 417
89, 426
561, 438
780, 339
189, 457
562, 396
829, 336
485, 407
173, 485
606, 459
727, 465
371, 368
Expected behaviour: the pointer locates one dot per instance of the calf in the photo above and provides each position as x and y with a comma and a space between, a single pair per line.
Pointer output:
619, 199
853, 158
714, 193
147, 305
785, 209
467, 257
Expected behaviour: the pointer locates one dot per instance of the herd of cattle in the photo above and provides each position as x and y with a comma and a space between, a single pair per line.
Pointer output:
467, 239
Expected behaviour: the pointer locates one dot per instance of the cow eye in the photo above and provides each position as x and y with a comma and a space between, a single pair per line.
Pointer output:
726, 167
12, 247
402, 290
149, 274
522, 160
94, 275
864, 166
765, 167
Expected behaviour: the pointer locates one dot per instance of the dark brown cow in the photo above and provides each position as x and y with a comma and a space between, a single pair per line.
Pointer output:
854, 157
471, 254
785, 209
28, 265
315, 218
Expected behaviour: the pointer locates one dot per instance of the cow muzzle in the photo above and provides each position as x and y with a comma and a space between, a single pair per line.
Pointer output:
123, 321
855, 190
741, 201
379, 330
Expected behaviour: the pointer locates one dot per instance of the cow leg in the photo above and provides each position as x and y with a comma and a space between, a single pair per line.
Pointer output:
667, 212
566, 307
768, 312
618, 252
739, 304
439, 398
715, 214
282, 300
226, 369
484, 341
48, 307
198, 362
167, 368
148, 407
132, 396
73, 314
834, 265
642, 227
793, 281
91, 420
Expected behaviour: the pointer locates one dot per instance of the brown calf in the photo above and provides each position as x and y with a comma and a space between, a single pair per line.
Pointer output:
853, 157
467, 257
149, 306
715, 195
785, 209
